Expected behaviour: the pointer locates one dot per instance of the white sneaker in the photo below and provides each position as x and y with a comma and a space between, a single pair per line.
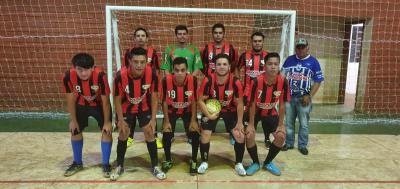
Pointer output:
117, 173
158, 173
202, 168
240, 169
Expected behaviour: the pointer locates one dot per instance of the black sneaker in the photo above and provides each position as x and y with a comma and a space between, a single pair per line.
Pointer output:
192, 168
267, 143
303, 151
106, 171
73, 168
286, 148
166, 165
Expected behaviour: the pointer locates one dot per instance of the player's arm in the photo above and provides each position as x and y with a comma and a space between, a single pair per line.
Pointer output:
193, 120
239, 101
118, 92
166, 124
154, 99
105, 94
71, 104
285, 97
252, 106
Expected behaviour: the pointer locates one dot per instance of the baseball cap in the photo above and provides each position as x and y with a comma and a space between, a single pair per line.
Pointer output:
301, 41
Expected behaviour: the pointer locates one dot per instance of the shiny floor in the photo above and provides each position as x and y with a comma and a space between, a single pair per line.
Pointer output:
38, 160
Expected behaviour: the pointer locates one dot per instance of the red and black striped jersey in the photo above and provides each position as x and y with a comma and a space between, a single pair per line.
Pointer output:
87, 92
135, 92
267, 96
179, 98
152, 58
253, 64
224, 93
210, 51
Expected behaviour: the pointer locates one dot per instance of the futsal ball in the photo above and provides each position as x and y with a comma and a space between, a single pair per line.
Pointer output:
213, 106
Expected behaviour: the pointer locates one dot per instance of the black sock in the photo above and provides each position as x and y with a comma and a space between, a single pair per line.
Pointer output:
204, 149
195, 144
253, 154
273, 151
155, 131
152, 148
239, 151
132, 129
121, 150
166, 140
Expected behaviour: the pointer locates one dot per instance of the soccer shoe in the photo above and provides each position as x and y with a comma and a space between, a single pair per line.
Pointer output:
73, 168
158, 173
286, 147
303, 151
202, 168
166, 165
117, 173
130, 142
159, 143
232, 140
253, 168
272, 169
106, 171
240, 169
192, 168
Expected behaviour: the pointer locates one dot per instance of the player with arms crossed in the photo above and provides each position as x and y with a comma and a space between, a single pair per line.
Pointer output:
228, 90
87, 94
265, 93
136, 97
179, 101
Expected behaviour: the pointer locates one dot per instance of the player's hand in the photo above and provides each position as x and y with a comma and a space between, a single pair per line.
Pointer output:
306, 100
107, 128
194, 126
239, 127
281, 128
74, 128
213, 116
167, 126
250, 129
153, 123
123, 127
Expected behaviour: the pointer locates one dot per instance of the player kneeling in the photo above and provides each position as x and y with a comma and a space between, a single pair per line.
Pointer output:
265, 92
179, 101
227, 89
87, 94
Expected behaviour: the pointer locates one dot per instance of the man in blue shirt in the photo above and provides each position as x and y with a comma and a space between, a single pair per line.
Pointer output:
305, 76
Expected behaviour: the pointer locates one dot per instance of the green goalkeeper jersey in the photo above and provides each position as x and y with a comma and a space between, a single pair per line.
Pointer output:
190, 52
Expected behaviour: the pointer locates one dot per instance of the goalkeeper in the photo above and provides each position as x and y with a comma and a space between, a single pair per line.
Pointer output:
228, 90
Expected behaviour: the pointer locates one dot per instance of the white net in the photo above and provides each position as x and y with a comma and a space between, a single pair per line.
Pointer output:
356, 43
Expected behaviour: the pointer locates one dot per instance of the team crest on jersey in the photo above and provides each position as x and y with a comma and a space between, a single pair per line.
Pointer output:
250, 62
228, 93
89, 98
94, 87
127, 89
145, 87
277, 93
210, 56
262, 62
149, 59
78, 88
188, 93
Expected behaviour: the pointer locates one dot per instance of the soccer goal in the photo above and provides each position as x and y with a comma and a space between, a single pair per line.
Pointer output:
277, 25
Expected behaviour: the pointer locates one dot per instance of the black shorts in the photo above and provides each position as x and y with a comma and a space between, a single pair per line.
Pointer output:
186, 118
269, 123
84, 112
143, 118
230, 119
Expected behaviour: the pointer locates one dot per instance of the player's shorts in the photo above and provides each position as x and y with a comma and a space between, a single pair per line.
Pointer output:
230, 120
269, 123
186, 118
84, 112
143, 118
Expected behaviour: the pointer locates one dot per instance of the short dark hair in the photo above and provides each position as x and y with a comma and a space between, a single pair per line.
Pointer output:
180, 60
272, 55
218, 25
137, 51
180, 27
142, 29
257, 34
83, 60
222, 55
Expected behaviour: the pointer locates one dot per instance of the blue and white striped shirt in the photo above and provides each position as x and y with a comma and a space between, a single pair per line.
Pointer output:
301, 73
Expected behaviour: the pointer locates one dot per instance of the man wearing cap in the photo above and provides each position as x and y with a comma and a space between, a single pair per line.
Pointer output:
305, 76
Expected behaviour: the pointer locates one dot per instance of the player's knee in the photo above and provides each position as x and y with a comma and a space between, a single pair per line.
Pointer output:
167, 129
279, 139
239, 136
106, 137
148, 133
205, 136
